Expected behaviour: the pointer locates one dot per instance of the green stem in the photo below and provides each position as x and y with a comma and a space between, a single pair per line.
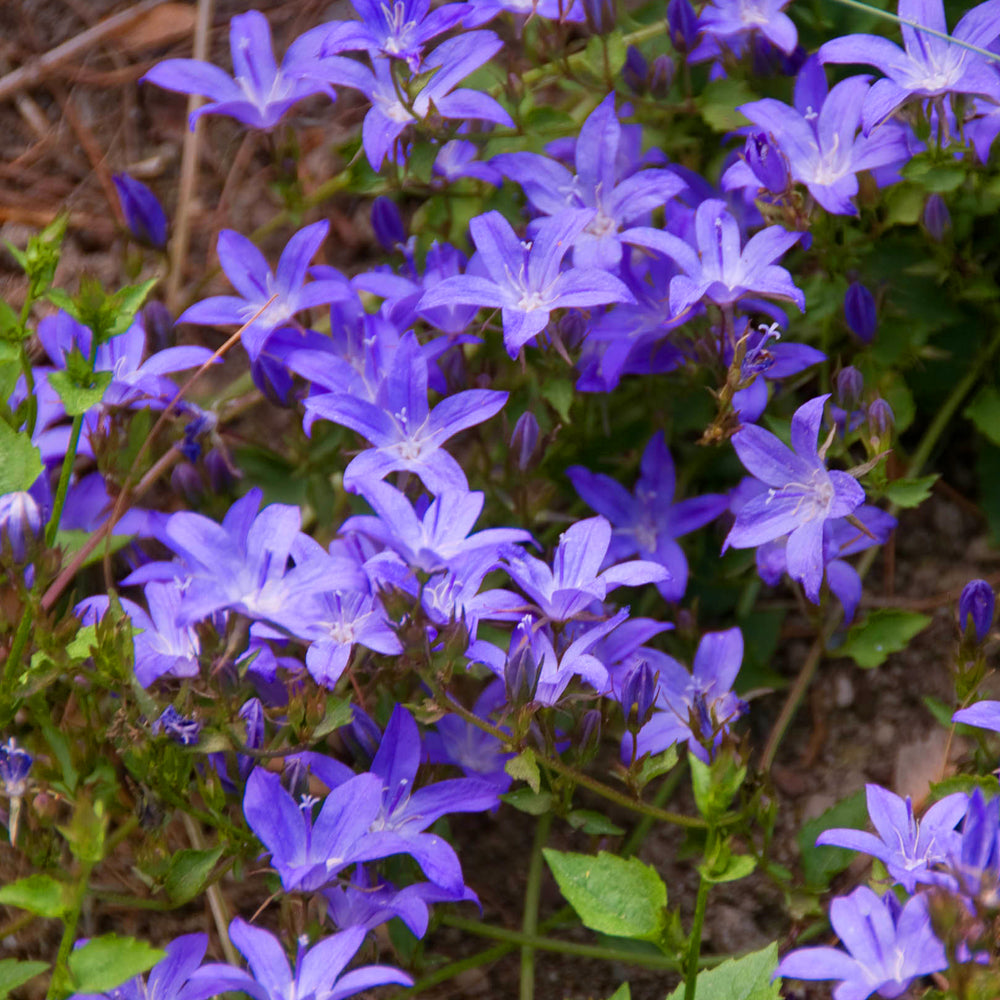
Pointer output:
59, 985
453, 969
532, 894
17, 647
640, 831
52, 528
694, 947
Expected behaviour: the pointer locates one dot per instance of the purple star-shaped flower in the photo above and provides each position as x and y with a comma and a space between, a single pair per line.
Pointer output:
406, 433
647, 521
525, 279
888, 946
801, 494
250, 274
721, 269
261, 92
929, 66
733, 22
905, 846
319, 971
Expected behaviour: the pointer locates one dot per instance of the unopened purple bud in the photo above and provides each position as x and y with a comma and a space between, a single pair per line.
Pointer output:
143, 214
15, 763
661, 77
363, 735
221, 474
937, 218
859, 311
635, 72
977, 602
524, 440
881, 419
767, 162
185, 480
600, 15
252, 713
159, 326
590, 732
682, 22
274, 380
850, 384
387, 223
521, 671
638, 691
572, 329
20, 522
171, 723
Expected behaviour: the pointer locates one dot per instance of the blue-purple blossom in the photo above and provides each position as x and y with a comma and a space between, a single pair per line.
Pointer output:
575, 580
721, 269
524, 279
983, 715
399, 29
604, 182
978, 603
318, 973
143, 213
647, 521
907, 847
821, 143
930, 66
859, 311
729, 24
888, 946
169, 979
406, 433
250, 274
697, 707
801, 494
261, 92
180, 729
15, 764
20, 523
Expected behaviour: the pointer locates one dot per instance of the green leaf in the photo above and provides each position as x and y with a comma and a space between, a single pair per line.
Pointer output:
715, 784
21, 464
656, 764
338, 713
189, 871
81, 645
127, 302
108, 961
719, 101
733, 868
14, 973
820, 864
911, 492
10, 323
593, 822
984, 412
612, 895
558, 393
525, 800
524, 768
746, 978
78, 397
38, 894
884, 631
622, 993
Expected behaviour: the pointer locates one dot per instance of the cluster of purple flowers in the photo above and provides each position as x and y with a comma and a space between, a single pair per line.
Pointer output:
626, 265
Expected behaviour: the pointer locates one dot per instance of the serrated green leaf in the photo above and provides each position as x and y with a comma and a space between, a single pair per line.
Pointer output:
911, 492
719, 101
189, 871
622, 993
338, 713
884, 631
127, 302
558, 393
524, 768
78, 397
984, 412
820, 864
593, 822
38, 894
967, 783
746, 978
14, 973
21, 462
612, 895
525, 800
108, 961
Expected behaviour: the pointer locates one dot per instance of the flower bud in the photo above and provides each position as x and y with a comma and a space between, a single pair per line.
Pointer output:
20, 522
682, 23
600, 15
977, 602
159, 326
661, 76
221, 474
937, 218
590, 733
185, 480
635, 72
850, 384
638, 691
387, 223
15, 763
143, 214
524, 440
859, 311
767, 162
881, 419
